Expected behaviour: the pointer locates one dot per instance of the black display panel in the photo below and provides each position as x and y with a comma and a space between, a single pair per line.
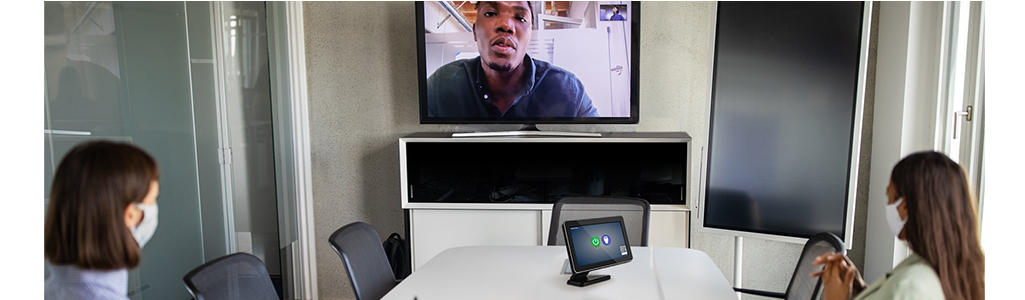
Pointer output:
564, 62
520, 172
784, 93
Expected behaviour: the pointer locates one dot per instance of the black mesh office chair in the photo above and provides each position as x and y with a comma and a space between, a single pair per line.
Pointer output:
239, 276
802, 285
359, 247
635, 212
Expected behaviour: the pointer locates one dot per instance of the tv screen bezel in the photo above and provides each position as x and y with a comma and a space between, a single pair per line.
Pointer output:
634, 118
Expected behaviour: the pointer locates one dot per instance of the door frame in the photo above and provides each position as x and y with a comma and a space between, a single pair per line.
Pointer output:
291, 122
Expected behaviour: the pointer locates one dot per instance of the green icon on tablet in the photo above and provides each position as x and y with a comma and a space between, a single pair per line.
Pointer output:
595, 241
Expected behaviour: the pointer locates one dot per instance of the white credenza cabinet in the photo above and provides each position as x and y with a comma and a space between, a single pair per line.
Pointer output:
499, 191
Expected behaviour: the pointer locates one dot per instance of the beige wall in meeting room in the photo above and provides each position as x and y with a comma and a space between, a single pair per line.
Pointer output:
361, 72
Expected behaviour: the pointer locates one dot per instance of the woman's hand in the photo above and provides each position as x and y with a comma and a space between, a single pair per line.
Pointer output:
840, 278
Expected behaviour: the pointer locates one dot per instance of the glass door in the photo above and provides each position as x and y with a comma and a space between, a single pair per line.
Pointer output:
120, 71
245, 110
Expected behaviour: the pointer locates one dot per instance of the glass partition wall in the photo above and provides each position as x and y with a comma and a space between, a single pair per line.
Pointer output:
187, 82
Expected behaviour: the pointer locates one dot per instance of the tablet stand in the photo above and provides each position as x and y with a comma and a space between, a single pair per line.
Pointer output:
582, 279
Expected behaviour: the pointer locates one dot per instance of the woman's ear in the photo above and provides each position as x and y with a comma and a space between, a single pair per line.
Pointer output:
902, 209
132, 216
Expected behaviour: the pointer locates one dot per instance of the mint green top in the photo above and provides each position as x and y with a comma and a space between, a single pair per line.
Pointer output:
913, 278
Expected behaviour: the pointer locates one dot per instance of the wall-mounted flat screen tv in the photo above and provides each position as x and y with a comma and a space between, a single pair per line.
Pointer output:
551, 62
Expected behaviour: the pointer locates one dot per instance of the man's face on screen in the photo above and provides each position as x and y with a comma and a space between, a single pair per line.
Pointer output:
502, 32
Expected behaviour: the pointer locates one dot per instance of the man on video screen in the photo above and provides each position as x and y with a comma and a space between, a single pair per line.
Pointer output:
505, 82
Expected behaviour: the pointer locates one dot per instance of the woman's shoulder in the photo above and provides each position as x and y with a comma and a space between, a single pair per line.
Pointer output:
913, 278
68, 282
74, 291
915, 269
916, 281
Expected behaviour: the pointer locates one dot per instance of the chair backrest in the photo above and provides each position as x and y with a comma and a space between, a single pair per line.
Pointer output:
635, 212
802, 285
359, 247
238, 276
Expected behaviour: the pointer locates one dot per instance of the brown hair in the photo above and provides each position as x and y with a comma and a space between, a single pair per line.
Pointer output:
85, 220
942, 224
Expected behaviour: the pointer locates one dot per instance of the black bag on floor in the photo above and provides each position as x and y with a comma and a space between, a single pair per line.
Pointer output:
398, 255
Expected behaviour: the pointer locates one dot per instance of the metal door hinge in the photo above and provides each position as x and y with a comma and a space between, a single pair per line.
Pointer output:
224, 156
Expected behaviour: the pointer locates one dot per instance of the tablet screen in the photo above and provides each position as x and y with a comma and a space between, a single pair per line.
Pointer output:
597, 243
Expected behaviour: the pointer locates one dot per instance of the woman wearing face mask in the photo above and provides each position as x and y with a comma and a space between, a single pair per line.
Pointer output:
103, 209
931, 208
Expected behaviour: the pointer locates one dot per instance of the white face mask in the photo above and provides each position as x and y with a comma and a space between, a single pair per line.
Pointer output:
144, 231
893, 217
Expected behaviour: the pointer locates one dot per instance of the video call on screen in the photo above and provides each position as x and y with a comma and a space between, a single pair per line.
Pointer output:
589, 40
598, 242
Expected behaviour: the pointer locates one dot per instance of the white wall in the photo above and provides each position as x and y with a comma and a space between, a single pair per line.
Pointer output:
905, 113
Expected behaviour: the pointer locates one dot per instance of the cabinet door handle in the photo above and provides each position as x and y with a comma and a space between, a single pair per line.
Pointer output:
967, 113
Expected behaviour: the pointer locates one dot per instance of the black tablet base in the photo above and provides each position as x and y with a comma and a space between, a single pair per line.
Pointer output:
582, 279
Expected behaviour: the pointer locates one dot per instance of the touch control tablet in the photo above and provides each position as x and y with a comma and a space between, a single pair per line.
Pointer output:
596, 243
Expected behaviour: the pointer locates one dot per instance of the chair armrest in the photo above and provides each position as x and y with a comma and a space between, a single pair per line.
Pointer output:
760, 293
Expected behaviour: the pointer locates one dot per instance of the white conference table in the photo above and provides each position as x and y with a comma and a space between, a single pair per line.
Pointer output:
535, 272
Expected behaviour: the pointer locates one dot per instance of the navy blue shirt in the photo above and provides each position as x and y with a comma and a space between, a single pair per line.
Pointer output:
459, 90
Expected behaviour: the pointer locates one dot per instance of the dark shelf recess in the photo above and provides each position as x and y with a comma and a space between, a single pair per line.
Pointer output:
543, 172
